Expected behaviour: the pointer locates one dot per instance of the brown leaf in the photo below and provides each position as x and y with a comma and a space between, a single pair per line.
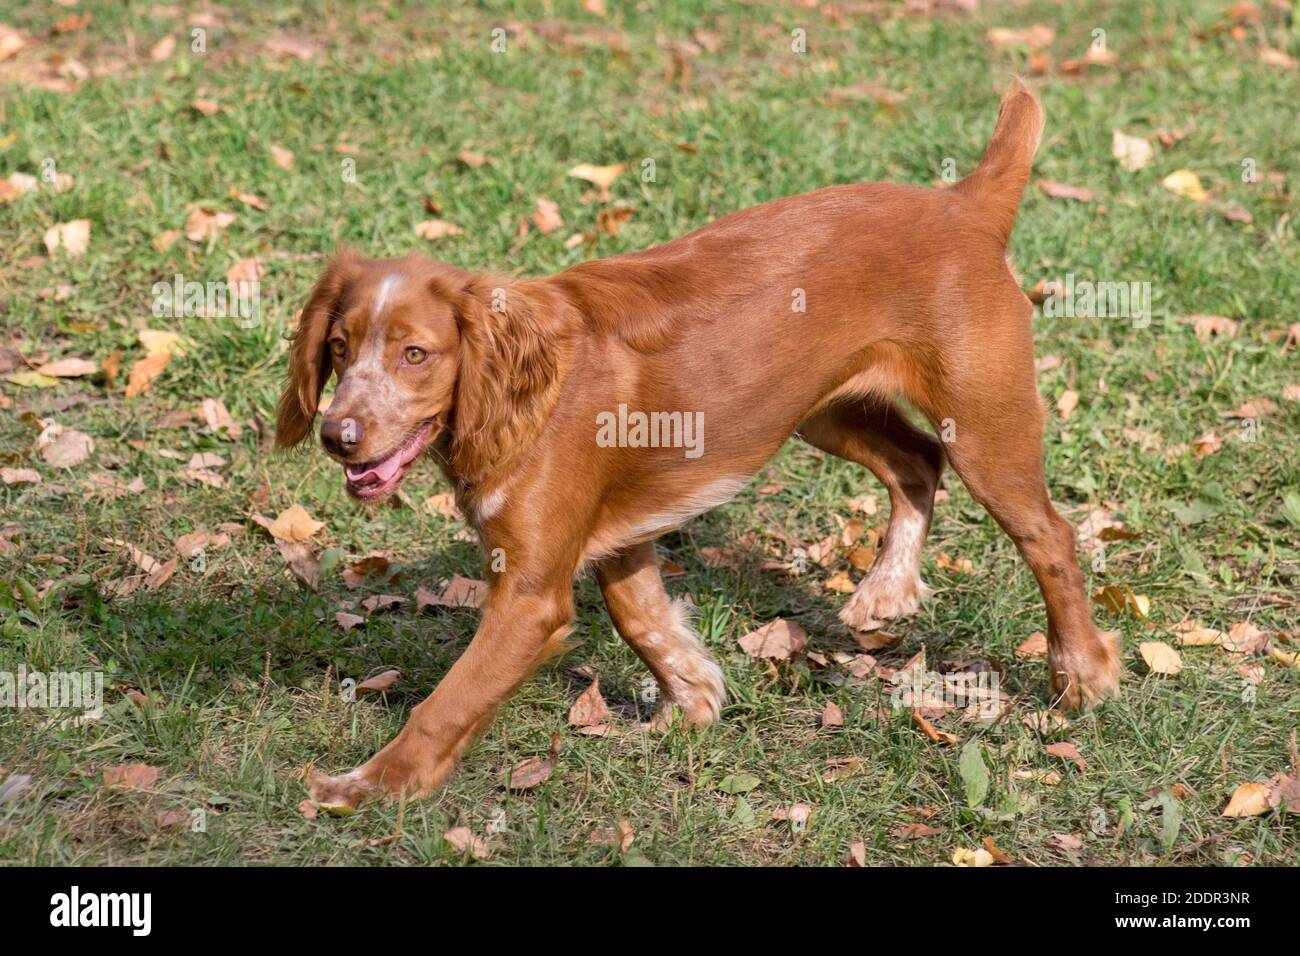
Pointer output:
460, 592
464, 840
779, 640
1212, 326
1249, 800
303, 561
380, 682
437, 229
69, 368
857, 854
382, 602
72, 237
133, 776
534, 771
1067, 751
936, 736
590, 708
547, 216
1033, 38
832, 716
602, 177
282, 157
295, 524
1161, 658
348, 621
144, 372
1067, 403
1035, 645
1062, 191
202, 223
876, 640
472, 160
68, 450
1245, 638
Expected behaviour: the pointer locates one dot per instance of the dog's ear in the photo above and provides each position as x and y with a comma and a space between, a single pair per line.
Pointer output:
309, 365
507, 363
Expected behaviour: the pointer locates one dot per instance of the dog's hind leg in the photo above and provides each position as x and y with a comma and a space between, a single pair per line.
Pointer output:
658, 629
908, 463
991, 402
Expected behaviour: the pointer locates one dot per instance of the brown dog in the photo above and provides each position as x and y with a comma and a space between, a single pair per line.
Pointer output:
569, 414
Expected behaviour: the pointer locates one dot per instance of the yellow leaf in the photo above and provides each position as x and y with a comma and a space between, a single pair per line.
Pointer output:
1187, 184
1248, 800
295, 524
144, 372
980, 857
156, 342
1160, 657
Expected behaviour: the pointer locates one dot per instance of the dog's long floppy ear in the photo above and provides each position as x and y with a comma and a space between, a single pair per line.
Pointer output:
507, 365
309, 366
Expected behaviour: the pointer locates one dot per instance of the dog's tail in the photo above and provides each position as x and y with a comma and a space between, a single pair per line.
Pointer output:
999, 180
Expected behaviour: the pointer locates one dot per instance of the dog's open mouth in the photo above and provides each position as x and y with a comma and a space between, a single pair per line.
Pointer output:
375, 479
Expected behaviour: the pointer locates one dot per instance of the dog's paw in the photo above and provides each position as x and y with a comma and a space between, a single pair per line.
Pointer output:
339, 795
881, 598
1083, 675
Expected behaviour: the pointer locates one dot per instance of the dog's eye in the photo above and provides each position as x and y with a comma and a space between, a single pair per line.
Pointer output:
338, 347
415, 356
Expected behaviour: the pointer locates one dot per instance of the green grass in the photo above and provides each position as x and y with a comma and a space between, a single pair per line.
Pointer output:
236, 659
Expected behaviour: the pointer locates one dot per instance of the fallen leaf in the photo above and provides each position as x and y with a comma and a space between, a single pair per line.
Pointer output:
779, 640
1066, 404
832, 716
1187, 184
1035, 645
1033, 38
1066, 751
1249, 800
379, 683
590, 708
72, 237
857, 854
282, 157
382, 602
163, 49
1209, 326
935, 736
348, 621
206, 107
69, 368
295, 524
534, 771
472, 160
1132, 152
69, 449
464, 840
437, 229
133, 776
974, 858
547, 216
303, 561
1062, 191
17, 476
202, 223
144, 372
1160, 657
602, 177
1245, 638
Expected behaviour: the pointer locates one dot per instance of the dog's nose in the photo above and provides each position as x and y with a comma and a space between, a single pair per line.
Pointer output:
342, 437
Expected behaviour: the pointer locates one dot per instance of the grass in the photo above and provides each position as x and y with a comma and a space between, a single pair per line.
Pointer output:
241, 665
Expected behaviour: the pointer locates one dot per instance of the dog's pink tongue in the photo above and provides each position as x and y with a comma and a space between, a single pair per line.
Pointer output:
375, 474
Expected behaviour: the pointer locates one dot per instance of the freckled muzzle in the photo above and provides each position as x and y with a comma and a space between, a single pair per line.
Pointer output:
379, 478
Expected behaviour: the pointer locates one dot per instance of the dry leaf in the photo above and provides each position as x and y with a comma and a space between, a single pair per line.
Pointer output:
144, 372
163, 49
69, 450
832, 716
134, 776
348, 621
1033, 38
302, 560
379, 683
1062, 191
1160, 657
1207, 326
1249, 800
976, 858
1187, 184
535, 771
1066, 751
1035, 645
547, 217
857, 854
1066, 404
72, 237
464, 840
779, 640
590, 708
294, 524
1132, 152
16, 476
1245, 638
69, 368
602, 177
472, 160
437, 229
282, 157
202, 223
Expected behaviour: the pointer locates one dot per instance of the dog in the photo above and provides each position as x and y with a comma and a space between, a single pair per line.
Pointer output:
808, 316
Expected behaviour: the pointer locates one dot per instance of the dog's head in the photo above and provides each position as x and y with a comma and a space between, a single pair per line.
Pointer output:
419, 347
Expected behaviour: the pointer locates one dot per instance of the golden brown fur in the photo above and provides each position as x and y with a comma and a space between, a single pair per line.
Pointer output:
905, 292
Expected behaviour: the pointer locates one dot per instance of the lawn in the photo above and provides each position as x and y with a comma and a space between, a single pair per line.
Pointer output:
1173, 441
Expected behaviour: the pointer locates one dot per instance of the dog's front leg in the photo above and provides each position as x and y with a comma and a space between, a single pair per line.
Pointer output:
522, 626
